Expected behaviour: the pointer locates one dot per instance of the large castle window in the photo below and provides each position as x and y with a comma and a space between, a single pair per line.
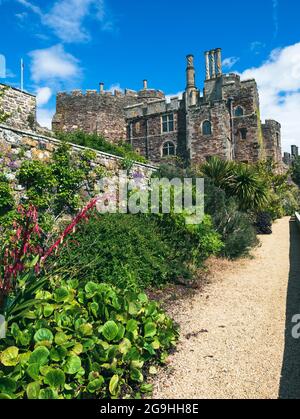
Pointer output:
239, 111
207, 128
278, 139
168, 123
169, 149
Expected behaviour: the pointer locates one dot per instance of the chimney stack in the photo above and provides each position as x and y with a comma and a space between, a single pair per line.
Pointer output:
101, 87
190, 72
207, 66
145, 84
213, 63
219, 61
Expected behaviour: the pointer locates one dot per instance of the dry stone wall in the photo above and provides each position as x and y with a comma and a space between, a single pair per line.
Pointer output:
17, 146
21, 106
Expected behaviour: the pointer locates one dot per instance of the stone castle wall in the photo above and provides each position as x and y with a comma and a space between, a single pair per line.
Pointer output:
98, 112
145, 127
17, 146
21, 106
137, 117
272, 136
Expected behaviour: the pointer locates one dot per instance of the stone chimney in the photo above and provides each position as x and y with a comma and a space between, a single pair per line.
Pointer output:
145, 84
213, 64
190, 72
219, 61
101, 87
207, 66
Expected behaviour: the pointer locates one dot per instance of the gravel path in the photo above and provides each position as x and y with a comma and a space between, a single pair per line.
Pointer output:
233, 333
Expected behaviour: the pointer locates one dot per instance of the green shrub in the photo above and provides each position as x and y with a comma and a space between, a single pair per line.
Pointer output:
84, 341
235, 227
122, 249
7, 202
98, 142
58, 185
296, 171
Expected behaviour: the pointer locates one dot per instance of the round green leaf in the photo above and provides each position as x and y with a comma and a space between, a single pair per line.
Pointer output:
39, 356
61, 294
86, 329
72, 365
43, 335
121, 332
150, 330
143, 298
7, 385
110, 330
136, 375
55, 378
47, 394
114, 385
77, 349
48, 310
125, 346
132, 325
33, 391
95, 385
91, 288
60, 338
146, 388
33, 371
10, 357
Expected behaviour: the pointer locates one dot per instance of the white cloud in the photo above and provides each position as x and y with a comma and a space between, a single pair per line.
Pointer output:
53, 64
278, 80
44, 117
43, 95
66, 18
228, 63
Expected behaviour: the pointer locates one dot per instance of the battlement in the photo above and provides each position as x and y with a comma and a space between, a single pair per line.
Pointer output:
154, 107
271, 123
93, 92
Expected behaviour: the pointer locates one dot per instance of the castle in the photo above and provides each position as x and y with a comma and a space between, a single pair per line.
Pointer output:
222, 120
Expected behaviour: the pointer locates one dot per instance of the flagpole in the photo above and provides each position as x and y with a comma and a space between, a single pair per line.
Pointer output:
22, 74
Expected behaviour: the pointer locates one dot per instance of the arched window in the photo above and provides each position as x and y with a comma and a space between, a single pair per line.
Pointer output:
207, 128
169, 149
239, 111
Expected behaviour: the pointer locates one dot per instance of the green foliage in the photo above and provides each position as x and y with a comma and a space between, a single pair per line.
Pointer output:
284, 197
98, 142
235, 227
296, 171
136, 251
56, 186
84, 341
7, 202
238, 180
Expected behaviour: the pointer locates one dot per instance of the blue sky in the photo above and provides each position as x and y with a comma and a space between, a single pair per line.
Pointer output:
70, 44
